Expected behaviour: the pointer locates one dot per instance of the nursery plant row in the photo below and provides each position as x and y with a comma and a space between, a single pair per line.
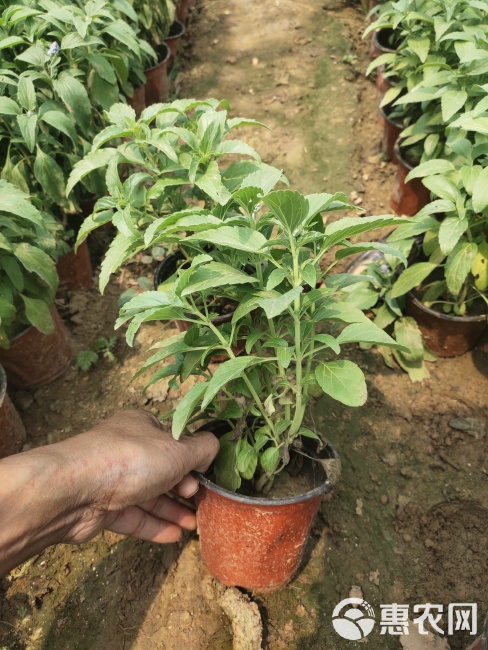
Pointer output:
250, 280
432, 73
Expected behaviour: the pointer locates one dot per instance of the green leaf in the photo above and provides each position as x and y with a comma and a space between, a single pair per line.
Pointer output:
37, 261
411, 278
28, 128
407, 333
50, 176
367, 332
343, 380
215, 274
103, 67
480, 267
452, 101
284, 356
92, 161
276, 277
347, 227
341, 312
210, 181
9, 107
450, 232
86, 359
225, 373
420, 46
289, 207
247, 460
75, 97
269, 460
442, 187
243, 239
458, 265
26, 93
276, 306
309, 274
226, 473
185, 408
328, 340
38, 314
61, 122
480, 191
429, 168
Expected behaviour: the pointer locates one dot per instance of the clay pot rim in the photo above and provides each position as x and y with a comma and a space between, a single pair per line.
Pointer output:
29, 328
446, 317
388, 119
3, 385
181, 30
398, 153
263, 501
163, 60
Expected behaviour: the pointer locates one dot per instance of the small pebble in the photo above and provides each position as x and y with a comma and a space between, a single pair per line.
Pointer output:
384, 499
407, 538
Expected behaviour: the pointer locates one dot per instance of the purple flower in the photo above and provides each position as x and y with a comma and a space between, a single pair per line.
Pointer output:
54, 49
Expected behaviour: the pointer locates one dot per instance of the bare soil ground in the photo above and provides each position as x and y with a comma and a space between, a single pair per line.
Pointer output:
408, 522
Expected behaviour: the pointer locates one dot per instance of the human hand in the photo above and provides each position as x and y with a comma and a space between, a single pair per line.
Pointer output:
115, 476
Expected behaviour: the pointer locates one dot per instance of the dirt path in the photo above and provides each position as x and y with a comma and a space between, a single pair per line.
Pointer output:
407, 523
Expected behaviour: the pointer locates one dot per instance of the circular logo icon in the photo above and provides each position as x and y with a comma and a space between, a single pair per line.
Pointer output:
354, 623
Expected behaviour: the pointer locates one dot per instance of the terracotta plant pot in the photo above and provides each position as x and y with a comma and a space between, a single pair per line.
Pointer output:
75, 269
252, 542
182, 10
138, 100
157, 86
12, 432
380, 43
407, 198
446, 335
384, 84
35, 359
176, 31
164, 271
391, 133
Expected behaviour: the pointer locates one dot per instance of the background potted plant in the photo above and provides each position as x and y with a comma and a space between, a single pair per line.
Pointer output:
12, 435
262, 395
34, 345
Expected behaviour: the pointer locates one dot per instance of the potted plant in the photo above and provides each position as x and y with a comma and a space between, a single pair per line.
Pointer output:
12, 435
177, 148
252, 506
34, 345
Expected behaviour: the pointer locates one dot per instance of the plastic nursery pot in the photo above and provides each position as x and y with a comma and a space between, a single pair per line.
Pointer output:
391, 133
138, 100
182, 10
407, 198
446, 335
12, 432
381, 42
164, 271
384, 84
157, 86
252, 542
75, 269
34, 359
176, 31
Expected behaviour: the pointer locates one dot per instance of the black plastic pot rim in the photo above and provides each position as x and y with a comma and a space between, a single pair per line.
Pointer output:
388, 119
398, 153
447, 317
181, 30
162, 61
263, 501
376, 41
177, 255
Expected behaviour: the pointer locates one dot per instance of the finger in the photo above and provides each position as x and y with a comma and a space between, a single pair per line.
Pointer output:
204, 447
187, 487
138, 523
172, 511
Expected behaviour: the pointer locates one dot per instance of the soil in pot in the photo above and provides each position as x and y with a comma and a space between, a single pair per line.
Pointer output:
157, 86
176, 31
383, 41
391, 132
407, 198
12, 431
138, 100
165, 270
446, 335
35, 359
258, 543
